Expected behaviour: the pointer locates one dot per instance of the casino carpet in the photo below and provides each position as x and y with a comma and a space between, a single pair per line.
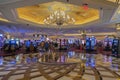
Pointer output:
108, 70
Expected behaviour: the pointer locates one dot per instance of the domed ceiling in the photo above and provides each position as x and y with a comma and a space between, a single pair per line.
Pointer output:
37, 13
28, 15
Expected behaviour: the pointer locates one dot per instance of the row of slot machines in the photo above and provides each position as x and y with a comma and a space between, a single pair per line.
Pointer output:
12, 42
11, 45
90, 43
28, 43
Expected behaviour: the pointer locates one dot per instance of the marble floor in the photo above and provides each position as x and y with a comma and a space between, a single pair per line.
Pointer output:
84, 67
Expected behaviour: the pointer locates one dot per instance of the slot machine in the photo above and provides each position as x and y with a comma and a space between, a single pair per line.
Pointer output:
34, 43
1, 60
13, 45
1, 40
107, 44
6, 46
115, 47
7, 42
88, 44
93, 43
12, 42
27, 44
18, 42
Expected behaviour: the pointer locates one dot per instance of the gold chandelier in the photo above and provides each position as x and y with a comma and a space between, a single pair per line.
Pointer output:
59, 17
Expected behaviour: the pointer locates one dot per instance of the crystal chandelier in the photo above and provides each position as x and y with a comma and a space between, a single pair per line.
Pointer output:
59, 17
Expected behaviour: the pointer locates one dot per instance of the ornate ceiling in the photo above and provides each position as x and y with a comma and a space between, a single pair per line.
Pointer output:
28, 15
3, 19
115, 1
37, 13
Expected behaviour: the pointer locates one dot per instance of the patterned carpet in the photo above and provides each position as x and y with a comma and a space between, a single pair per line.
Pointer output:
62, 71
41, 71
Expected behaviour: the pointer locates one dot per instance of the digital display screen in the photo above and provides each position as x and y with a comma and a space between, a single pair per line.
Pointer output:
27, 43
116, 41
6, 41
87, 44
110, 43
105, 43
12, 41
92, 43
35, 44
70, 41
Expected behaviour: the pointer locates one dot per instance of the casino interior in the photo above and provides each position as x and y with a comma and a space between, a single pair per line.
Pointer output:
59, 40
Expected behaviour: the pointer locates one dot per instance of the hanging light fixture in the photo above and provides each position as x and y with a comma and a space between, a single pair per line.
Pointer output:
59, 17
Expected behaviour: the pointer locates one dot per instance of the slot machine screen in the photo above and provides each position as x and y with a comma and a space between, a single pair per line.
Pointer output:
17, 42
70, 41
110, 43
12, 41
105, 43
83, 42
93, 41
7, 41
87, 43
115, 42
27, 43
62, 42
35, 44
115, 47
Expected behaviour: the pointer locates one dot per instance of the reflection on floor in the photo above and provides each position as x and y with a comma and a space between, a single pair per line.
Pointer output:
82, 67
41, 72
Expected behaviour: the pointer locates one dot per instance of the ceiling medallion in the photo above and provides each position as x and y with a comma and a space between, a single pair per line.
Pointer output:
56, 5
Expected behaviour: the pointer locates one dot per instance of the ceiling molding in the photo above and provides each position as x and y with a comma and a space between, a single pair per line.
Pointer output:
7, 8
